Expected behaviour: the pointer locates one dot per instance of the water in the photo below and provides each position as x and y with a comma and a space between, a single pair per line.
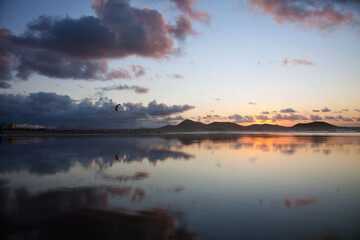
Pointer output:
204, 186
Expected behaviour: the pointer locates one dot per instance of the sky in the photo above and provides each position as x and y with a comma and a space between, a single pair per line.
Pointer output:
68, 63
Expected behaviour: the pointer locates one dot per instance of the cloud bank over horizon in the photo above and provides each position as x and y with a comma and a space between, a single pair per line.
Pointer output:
53, 110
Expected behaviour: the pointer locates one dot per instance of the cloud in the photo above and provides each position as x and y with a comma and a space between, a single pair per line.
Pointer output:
69, 48
262, 117
217, 99
187, 7
176, 75
265, 112
4, 85
330, 118
287, 110
325, 109
338, 118
241, 119
315, 110
345, 119
315, 117
357, 119
138, 70
357, 110
291, 117
285, 61
118, 74
309, 14
297, 62
251, 103
182, 29
51, 110
136, 89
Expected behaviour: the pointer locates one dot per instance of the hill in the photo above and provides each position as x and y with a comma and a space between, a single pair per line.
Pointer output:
192, 126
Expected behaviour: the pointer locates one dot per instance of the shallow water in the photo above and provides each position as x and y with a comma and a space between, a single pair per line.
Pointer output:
205, 186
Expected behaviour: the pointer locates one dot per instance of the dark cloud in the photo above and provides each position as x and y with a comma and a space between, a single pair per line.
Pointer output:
309, 14
79, 48
316, 110
357, 110
315, 117
330, 117
357, 119
241, 119
262, 117
345, 119
287, 110
135, 88
50, 109
4, 85
265, 112
339, 118
325, 109
251, 103
291, 117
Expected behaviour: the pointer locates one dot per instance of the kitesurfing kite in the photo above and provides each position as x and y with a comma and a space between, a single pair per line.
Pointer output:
117, 106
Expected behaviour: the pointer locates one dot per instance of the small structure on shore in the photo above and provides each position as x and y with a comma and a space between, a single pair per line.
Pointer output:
12, 126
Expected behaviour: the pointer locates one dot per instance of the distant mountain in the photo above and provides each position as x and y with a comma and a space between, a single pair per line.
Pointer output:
192, 126
315, 126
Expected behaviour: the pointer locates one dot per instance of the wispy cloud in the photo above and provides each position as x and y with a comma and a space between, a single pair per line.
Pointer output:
138, 70
287, 110
325, 109
241, 119
309, 14
315, 117
291, 117
135, 88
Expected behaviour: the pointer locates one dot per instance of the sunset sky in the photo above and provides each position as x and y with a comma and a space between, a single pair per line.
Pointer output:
68, 63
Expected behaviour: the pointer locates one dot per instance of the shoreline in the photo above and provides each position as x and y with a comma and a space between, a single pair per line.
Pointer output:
150, 132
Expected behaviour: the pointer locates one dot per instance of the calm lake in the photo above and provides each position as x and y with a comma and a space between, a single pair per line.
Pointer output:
190, 186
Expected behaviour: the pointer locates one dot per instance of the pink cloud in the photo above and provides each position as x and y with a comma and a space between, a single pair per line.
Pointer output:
302, 62
138, 70
307, 14
187, 7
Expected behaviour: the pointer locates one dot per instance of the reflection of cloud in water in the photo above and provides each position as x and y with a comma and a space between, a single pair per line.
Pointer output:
84, 213
60, 154
136, 177
299, 202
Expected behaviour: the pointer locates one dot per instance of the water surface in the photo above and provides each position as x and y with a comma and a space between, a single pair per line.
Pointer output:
203, 186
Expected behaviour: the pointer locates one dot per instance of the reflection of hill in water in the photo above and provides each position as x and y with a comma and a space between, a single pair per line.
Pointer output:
283, 143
